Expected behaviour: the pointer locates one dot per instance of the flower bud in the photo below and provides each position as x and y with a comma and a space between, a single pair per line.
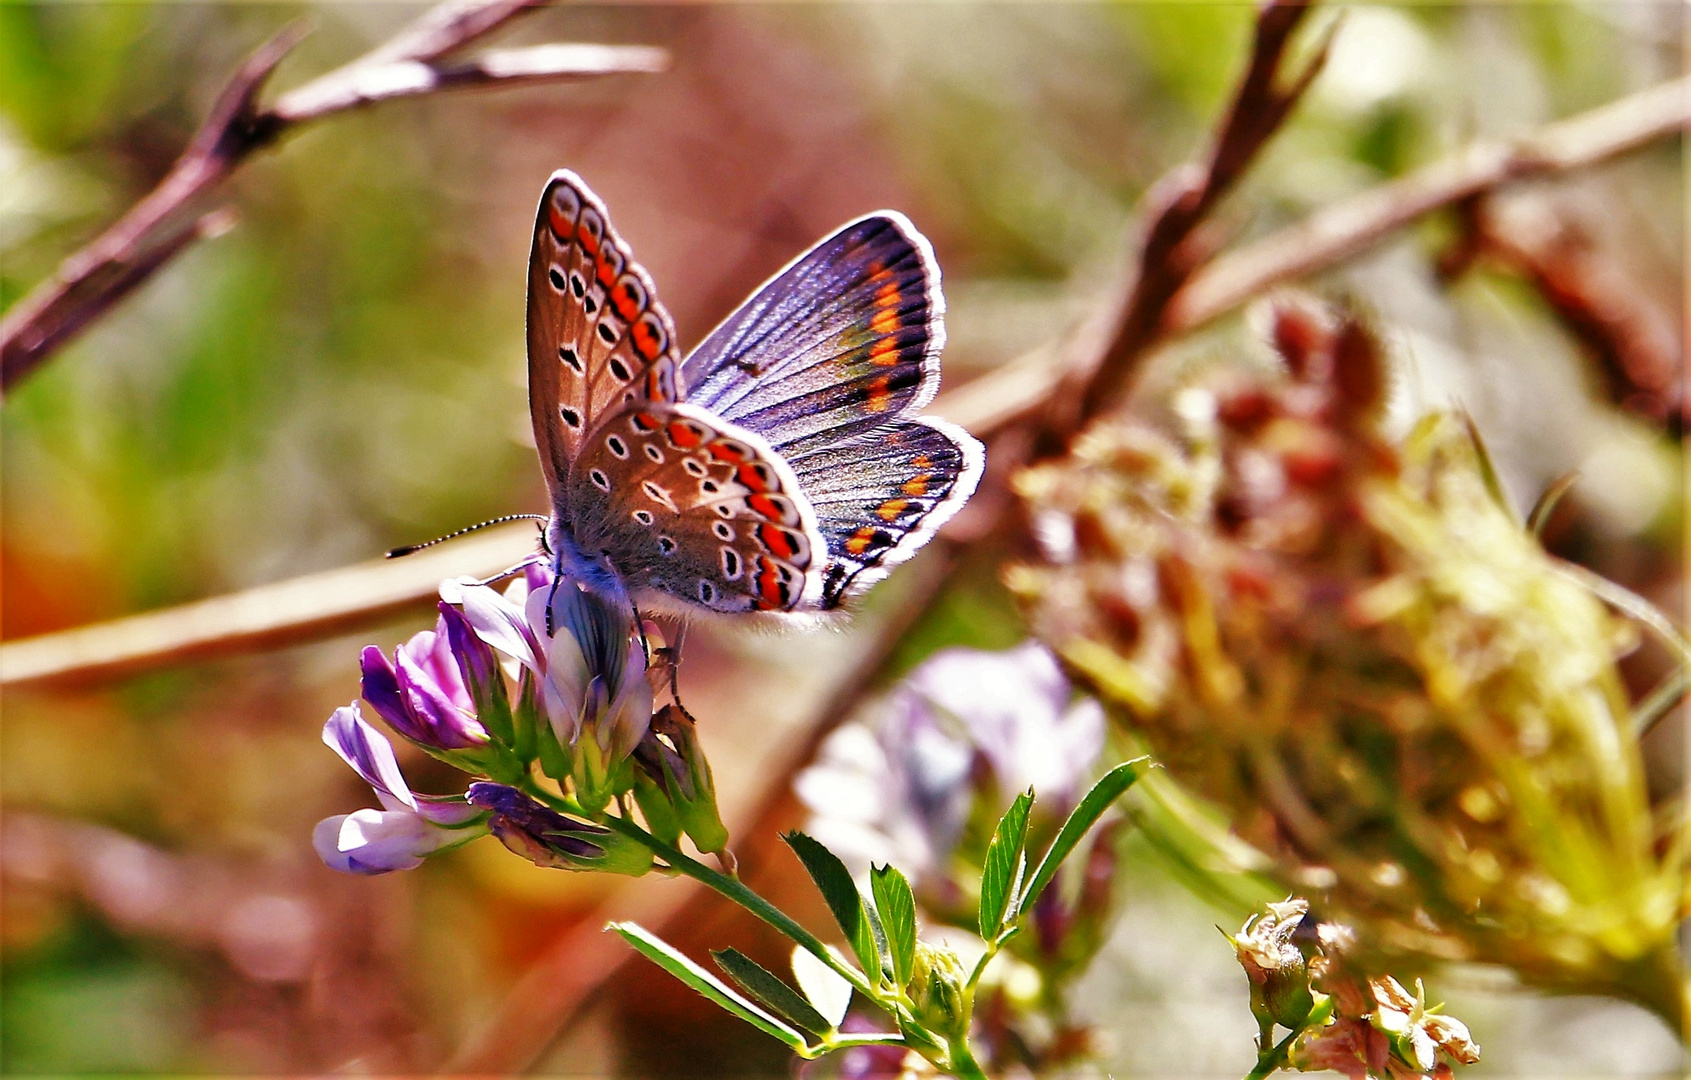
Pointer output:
672, 756
547, 838
1276, 966
936, 989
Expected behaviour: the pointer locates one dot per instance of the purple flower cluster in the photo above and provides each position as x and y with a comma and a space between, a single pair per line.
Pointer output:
542, 675
967, 730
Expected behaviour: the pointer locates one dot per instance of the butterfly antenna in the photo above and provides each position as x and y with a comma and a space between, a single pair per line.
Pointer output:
409, 548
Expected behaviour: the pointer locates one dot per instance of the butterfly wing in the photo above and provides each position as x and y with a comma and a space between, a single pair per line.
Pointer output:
878, 500
696, 509
828, 361
597, 335
844, 339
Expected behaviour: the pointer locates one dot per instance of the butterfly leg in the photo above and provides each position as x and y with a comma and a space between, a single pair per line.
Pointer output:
511, 571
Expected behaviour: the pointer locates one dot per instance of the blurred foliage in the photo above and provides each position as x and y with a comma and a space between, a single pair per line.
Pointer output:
344, 372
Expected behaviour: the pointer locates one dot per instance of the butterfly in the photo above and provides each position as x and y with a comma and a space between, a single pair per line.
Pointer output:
778, 467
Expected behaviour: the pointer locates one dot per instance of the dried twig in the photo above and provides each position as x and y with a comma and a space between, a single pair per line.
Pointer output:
95, 278
1173, 247
1346, 228
300, 609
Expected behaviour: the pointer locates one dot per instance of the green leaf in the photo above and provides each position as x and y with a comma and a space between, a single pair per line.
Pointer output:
765, 986
844, 900
707, 985
1105, 792
898, 918
1004, 864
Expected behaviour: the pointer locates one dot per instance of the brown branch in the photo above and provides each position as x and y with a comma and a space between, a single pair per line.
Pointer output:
1346, 228
1632, 341
300, 609
91, 281
1173, 247
1335, 234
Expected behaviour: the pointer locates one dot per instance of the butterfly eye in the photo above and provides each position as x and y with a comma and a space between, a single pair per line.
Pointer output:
723, 530
730, 564
560, 216
556, 277
577, 286
618, 368
644, 517
570, 416
618, 447
600, 480
568, 356
707, 592
653, 453
666, 545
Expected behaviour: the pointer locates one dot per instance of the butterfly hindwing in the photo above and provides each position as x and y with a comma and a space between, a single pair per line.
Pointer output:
695, 508
846, 338
597, 335
879, 499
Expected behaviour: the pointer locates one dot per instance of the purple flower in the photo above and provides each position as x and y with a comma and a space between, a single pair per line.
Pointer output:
901, 789
407, 829
548, 838
421, 692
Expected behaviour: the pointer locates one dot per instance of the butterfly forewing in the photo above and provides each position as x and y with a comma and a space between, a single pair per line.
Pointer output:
597, 335
879, 500
700, 510
842, 341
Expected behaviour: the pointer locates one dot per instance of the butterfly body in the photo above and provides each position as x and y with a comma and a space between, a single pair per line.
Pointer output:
779, 468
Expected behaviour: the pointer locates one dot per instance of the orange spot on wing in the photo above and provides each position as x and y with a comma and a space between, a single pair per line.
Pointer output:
755, 477
644, 421
889, 510
627, 302
647, 341
779, 541
885, 321
589, 242
923, 461
772, 590
858, 542
884, 353
684, 436
733, 453
916, 485
879, 396
562, 226
766, 507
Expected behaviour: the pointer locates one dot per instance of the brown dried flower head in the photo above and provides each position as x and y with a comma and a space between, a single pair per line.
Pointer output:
1352, 647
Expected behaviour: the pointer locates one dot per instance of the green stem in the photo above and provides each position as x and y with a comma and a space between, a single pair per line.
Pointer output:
1272, 1061
731, 887
963, 1063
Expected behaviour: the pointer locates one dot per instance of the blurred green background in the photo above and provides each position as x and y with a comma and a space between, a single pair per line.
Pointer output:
344, 371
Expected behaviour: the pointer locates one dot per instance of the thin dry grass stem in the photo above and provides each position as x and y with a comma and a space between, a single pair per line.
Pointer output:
93, 280
284, 613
